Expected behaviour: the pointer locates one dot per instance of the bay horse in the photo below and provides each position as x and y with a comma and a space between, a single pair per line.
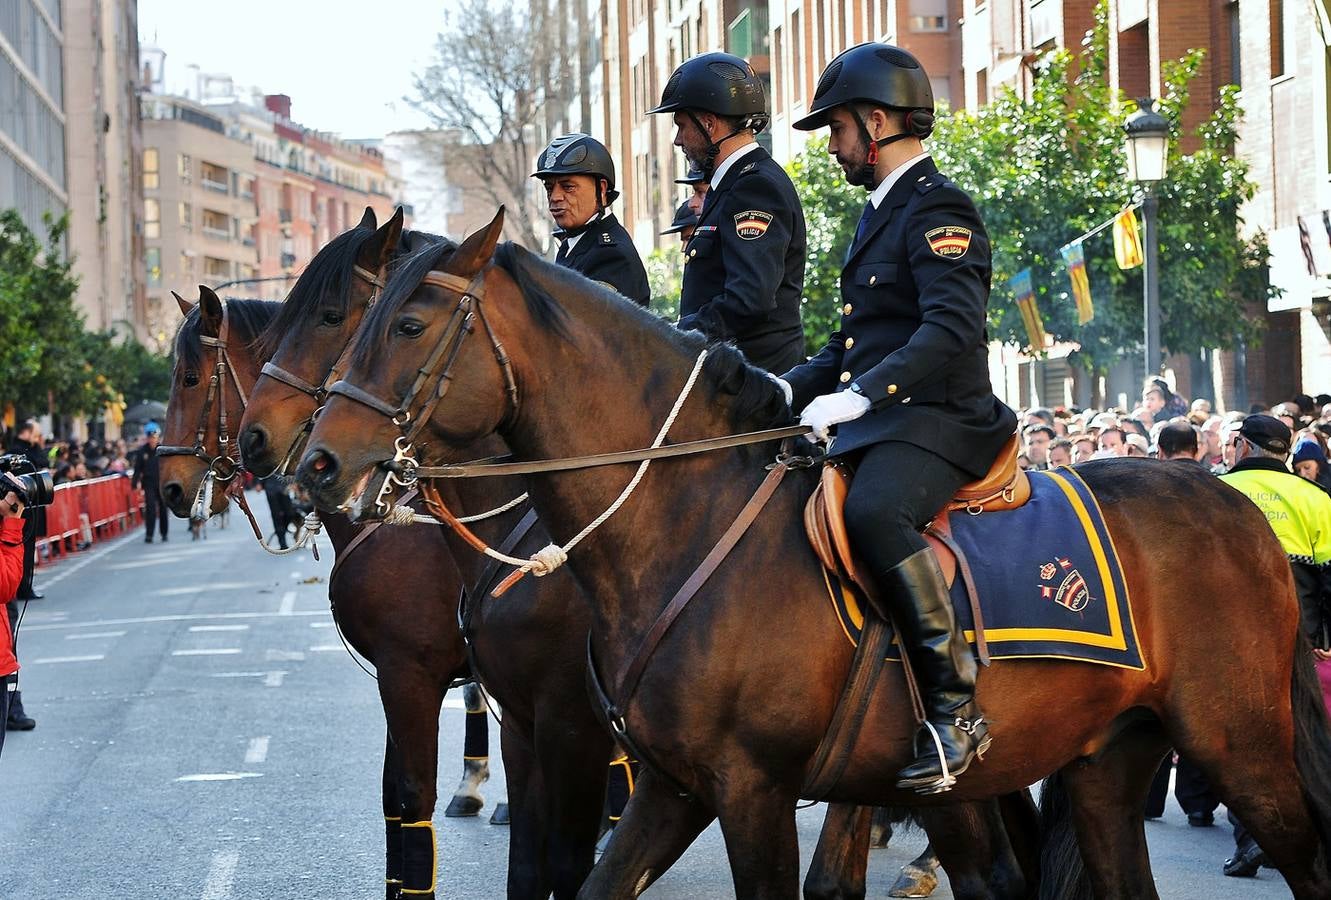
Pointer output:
529, 647
402, 620
739, 693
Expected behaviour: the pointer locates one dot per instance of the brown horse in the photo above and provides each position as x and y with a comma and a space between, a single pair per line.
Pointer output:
402, 619
538, 680
529, 649
1229, 680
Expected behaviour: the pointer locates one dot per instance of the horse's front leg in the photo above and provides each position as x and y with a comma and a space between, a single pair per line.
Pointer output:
841, 859
411, 697
467, 799
758, 821
392, 821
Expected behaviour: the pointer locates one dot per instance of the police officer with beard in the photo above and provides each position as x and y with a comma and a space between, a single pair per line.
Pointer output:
906, 378
744, 265
579, 179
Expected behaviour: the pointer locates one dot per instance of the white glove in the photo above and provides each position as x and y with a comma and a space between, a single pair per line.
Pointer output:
785, 387
832, 409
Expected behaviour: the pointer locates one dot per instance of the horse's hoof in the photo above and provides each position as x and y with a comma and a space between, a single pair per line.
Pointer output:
460, 807
914, 882
500, 815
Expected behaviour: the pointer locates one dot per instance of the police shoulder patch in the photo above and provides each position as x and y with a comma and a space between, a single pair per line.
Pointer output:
752, 224
950, 241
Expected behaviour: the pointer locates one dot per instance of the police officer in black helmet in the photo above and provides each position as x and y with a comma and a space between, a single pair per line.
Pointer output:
744, 265
906, 378
579, 179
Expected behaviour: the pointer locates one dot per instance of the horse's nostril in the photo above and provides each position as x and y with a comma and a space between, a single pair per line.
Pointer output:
253, 440
320, 463
172, 492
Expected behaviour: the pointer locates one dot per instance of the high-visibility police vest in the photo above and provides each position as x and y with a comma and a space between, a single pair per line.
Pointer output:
1298, 511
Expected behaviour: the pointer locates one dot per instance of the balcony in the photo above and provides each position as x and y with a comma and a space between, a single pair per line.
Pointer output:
218, 234
284, 216
220, 187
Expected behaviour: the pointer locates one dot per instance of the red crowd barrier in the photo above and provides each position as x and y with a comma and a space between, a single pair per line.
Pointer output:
84, 512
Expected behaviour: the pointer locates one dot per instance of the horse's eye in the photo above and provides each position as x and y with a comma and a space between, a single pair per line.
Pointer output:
191, 379
333, 318
410, 328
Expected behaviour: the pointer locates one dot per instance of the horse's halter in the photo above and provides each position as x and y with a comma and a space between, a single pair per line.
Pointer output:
320, 394
434, 378
223, 466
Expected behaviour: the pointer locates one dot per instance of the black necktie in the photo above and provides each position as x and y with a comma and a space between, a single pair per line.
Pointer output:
562, 254
869, 210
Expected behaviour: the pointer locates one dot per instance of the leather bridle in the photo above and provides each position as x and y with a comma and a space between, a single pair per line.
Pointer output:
320, 393
412, 413
223, 466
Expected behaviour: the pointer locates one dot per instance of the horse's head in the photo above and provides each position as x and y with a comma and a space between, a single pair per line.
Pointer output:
427, 357
201, 393
309, 341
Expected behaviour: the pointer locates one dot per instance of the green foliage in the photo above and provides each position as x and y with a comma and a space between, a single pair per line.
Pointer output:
47, 361
665, 277
831, 209
1043, 170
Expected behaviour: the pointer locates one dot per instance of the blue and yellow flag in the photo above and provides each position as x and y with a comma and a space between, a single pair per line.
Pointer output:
1127, 240
1030, 313
1075, 258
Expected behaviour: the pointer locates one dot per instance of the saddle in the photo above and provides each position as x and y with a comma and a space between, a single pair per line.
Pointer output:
1005, 487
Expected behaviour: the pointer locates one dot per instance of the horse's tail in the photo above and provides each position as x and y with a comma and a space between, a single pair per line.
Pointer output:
1063, 875
1312, 743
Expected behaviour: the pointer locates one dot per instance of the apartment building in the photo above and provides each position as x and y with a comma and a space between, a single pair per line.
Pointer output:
32, 118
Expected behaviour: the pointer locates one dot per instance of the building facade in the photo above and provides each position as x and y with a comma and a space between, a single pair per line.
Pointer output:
32, 115
105, 184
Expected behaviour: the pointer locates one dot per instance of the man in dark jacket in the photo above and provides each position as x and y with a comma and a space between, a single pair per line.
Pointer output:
28, 442
147, 469
906, 378
579, 179
11, 573
744, 265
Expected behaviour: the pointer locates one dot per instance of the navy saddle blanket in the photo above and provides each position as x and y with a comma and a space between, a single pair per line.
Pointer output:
1049, 580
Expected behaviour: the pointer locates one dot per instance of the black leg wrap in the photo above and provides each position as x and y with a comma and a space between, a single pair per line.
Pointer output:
393, 858
476, 742
418, 859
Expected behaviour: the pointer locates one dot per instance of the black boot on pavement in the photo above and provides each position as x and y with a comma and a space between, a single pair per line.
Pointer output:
19, 720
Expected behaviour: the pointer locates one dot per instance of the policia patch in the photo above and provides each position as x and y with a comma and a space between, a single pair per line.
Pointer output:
950, 241
752, 224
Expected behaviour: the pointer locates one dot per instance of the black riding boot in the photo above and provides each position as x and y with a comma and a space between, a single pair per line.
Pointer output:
919, 599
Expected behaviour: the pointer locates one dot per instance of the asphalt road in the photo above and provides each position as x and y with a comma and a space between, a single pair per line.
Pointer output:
203, 734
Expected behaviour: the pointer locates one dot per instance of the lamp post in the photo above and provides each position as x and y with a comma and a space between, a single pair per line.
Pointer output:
1147, 150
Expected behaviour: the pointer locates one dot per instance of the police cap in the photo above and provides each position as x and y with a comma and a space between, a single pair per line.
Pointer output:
875, 73
684, 218
1266, 432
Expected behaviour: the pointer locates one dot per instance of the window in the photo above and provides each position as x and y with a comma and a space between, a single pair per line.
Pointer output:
931, 15
186, 217
150, 174
1235, 43
153, 260
796, 62
152, 218
777, 67
185, 168
214, 178
186, 265
982, 87
1277, 38
216, 269
216, 225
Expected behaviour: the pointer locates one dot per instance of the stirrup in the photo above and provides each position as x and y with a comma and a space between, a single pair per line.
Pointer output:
948, 778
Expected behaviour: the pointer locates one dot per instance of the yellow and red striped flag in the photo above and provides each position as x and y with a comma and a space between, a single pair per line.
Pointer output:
1075, 257
1030, 312
1127, 240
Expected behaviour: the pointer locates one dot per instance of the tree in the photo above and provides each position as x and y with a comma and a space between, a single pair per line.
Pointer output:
1045, 169
665, 275
499, 71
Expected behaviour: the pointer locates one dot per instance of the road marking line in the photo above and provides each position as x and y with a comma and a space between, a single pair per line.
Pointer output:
64, 659
258, 750
207, 651
217, 628
219, 776
221, 874
95, 634
236, 674
274, 679
190, 589
181, 617
95, 555
284, 655
321, 624
288, 604
326, 648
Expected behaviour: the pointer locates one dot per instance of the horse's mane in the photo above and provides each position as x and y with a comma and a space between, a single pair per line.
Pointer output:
328, 278
756, 400
246, 320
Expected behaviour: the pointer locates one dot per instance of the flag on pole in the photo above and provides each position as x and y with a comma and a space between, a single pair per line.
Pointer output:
1075, 258
1030, 312
1127, 240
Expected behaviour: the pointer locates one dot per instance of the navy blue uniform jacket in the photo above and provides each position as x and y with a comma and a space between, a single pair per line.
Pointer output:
605, 253
744, 265
914, 293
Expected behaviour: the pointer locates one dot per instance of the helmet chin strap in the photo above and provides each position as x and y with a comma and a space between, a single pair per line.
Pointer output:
871, 158
708, 162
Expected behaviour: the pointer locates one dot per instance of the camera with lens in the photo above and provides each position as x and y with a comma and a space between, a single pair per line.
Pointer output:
37, 488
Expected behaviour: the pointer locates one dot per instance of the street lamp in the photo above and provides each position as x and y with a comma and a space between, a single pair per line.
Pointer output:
1147, 151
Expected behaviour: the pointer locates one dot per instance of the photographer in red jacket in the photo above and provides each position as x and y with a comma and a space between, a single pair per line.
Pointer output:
11, 573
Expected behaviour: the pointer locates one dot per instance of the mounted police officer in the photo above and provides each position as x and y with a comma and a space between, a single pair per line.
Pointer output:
744, 265
906, 378
579, 179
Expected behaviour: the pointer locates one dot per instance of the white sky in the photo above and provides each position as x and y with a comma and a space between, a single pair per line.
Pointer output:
346, 65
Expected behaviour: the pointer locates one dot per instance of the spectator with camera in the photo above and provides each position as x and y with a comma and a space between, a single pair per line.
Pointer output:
11, 574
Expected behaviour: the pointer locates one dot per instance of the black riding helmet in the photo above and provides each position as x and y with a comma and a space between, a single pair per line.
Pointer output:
719, 83
578, 154
684, 218
880, 74
694, 176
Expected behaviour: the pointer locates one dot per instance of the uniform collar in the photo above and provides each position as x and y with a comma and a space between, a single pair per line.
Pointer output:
729, 162
571, 237
880, 193
1263, 463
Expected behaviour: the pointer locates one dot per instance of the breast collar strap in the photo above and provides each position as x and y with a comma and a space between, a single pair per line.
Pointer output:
320, 393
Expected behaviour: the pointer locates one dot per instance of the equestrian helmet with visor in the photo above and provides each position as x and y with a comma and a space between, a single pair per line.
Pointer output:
578, 154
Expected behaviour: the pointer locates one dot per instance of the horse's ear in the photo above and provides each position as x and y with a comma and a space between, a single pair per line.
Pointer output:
210, 307
477, 249
368, 220
185, 306
377, 250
